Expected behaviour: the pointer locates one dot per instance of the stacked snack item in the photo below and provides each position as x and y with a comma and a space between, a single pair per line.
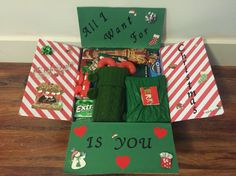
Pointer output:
84, 105
137, 56
147, 61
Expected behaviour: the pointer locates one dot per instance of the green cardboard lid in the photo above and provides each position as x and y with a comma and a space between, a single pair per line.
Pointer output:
106, 27
121, 148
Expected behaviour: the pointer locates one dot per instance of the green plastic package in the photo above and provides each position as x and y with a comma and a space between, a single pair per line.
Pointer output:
83, 109
147, 99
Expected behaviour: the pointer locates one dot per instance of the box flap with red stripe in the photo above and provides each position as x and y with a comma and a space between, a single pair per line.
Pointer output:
192, 89
49, 91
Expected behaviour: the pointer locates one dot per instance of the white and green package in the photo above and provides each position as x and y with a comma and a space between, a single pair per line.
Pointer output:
83, 109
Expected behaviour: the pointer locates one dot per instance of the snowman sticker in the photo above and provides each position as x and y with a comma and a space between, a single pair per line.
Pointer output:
77, 159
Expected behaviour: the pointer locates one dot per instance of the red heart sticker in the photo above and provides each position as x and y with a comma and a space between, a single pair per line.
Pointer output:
122, 161
160, 132
80, 131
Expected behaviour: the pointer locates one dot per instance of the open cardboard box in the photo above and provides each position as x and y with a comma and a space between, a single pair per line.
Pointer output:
121, 147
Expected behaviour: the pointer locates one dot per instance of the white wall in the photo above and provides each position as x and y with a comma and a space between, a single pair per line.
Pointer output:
22, 22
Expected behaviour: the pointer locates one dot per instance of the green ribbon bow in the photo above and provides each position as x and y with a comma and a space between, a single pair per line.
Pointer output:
47, 50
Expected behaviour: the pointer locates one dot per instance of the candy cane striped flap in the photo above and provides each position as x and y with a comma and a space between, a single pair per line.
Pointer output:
192, 89
49, 91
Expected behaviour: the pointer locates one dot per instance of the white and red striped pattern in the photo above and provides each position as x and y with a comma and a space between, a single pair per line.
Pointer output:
62, 56
207, 97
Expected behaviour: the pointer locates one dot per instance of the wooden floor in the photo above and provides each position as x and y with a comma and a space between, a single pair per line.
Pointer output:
37, 146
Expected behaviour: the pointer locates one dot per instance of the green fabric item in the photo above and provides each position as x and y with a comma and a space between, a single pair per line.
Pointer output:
136, 111
109, 94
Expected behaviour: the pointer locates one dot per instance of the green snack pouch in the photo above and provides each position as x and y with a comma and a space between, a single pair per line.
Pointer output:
83, 109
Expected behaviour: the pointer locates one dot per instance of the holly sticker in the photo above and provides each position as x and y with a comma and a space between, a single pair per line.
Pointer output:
179, 106
172, 66
203, 77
